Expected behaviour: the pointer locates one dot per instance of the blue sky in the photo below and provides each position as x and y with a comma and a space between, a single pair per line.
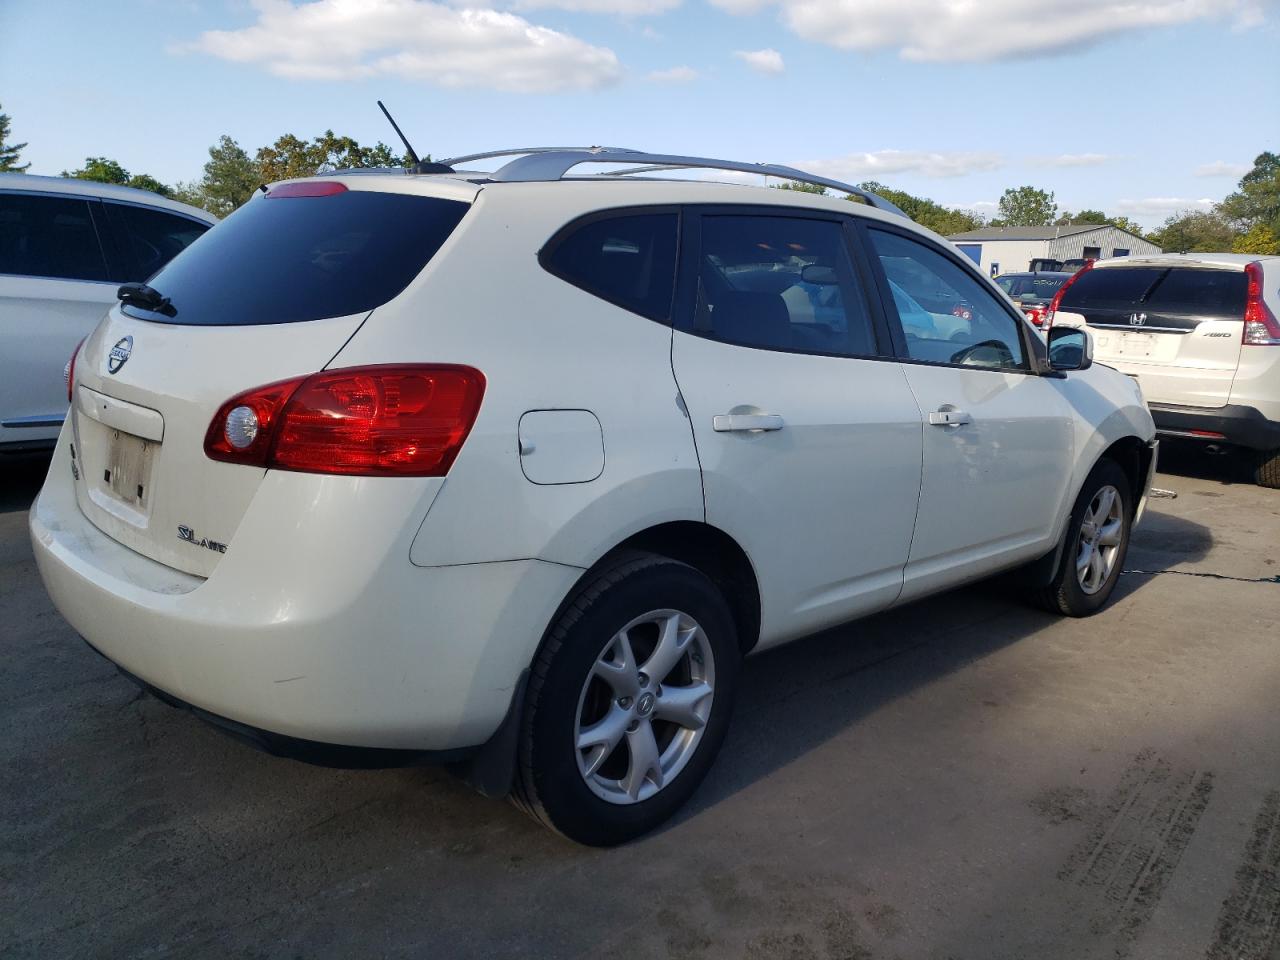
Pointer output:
1133, 107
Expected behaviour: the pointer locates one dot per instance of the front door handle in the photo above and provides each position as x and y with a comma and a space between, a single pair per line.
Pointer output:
745, 422
949, 417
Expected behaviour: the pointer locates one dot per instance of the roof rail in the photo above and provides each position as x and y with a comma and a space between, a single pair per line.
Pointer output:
536, 164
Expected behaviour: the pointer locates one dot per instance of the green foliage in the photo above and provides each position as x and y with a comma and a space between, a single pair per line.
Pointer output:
106, 170
1261, 239
799, 187
229, 179
10, 153
1258, 199
1196, 231
1026, 207
927, 213
1084, 216
291, 157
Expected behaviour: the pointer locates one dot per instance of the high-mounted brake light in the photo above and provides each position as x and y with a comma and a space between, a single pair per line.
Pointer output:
69, 369
1050, 313
307, 188
1261, 328
389, 421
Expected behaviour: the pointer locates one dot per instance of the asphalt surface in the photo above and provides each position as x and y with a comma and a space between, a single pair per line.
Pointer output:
963, 778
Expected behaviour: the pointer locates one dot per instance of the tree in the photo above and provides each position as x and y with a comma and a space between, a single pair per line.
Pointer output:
1026, 207
800, 187
1258, 199
1196, 231
1084, 216
926, 212
1261, 239
229, 179
291, 157
9, 152
106, 170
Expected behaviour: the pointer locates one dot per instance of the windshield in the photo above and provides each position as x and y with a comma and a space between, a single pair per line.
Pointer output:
283, 259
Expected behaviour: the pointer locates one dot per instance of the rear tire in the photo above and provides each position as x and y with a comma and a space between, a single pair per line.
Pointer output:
1095, 544
608, 752
1266, 471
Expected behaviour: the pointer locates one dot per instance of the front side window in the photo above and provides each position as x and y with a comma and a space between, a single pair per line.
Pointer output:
628, 260
948, 316
43, 236
780, 283
152, 237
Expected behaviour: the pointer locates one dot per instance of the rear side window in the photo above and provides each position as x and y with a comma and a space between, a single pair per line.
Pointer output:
151, 237
629, 260
1039, 289
780, 283
43, 236
286, 259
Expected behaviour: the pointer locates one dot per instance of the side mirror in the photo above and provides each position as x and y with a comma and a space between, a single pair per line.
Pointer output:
819, 275
1070, 348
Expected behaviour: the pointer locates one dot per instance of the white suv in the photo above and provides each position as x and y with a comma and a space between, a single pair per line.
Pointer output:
65, 246
510, 470
1199, 332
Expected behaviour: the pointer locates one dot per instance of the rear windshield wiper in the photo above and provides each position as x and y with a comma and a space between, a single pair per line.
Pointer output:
146, 298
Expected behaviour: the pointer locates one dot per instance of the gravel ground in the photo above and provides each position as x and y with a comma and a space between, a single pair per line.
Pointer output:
962, 778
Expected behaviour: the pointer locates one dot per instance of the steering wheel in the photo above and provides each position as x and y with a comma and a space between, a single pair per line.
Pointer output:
1003, 356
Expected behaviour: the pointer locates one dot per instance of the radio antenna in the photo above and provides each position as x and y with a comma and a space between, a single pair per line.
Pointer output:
403, 139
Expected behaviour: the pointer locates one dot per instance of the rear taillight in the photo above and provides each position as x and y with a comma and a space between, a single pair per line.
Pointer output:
69, 369
390, 421
1035, 315
1260, 326
1050, 313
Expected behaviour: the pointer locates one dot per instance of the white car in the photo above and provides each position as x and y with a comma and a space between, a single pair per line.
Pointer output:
511, 469
1200, 332
65, 247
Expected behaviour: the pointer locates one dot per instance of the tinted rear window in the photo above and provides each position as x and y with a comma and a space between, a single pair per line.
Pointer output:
1168, 290
1200, 292
1042, 288
629, 260
286, 259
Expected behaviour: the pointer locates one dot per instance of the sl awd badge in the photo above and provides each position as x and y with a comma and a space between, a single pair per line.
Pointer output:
119, 354
190, 536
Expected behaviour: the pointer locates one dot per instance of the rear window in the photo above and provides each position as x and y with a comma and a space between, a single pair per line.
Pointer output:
1041, 288
1200, 292
288, 259
1169, 290
627, 259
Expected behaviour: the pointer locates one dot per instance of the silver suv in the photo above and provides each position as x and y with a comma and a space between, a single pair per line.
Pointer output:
1199, 333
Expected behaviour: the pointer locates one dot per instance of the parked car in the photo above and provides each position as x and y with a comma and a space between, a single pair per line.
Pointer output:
509, 470
1032, 291
65, 246
1199, 332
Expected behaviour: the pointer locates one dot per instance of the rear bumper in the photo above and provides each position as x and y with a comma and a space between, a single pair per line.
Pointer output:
355, 649
1240, 425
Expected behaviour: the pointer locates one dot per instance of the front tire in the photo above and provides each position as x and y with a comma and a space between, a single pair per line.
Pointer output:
1096, 541
628, 701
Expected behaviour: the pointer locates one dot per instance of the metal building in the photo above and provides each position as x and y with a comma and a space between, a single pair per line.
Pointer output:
1006, 249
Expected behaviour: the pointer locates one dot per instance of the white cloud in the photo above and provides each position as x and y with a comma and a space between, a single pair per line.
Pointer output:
413, 40
674, 75
1220, 168
949, 31
873, 166
1072, 160
620, 8
762, 61
1160, 207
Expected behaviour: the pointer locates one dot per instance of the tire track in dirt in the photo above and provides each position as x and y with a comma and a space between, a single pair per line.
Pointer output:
1129, 857
1249, 924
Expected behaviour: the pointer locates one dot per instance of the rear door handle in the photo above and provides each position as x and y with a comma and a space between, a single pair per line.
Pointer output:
745, 422
949, 418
